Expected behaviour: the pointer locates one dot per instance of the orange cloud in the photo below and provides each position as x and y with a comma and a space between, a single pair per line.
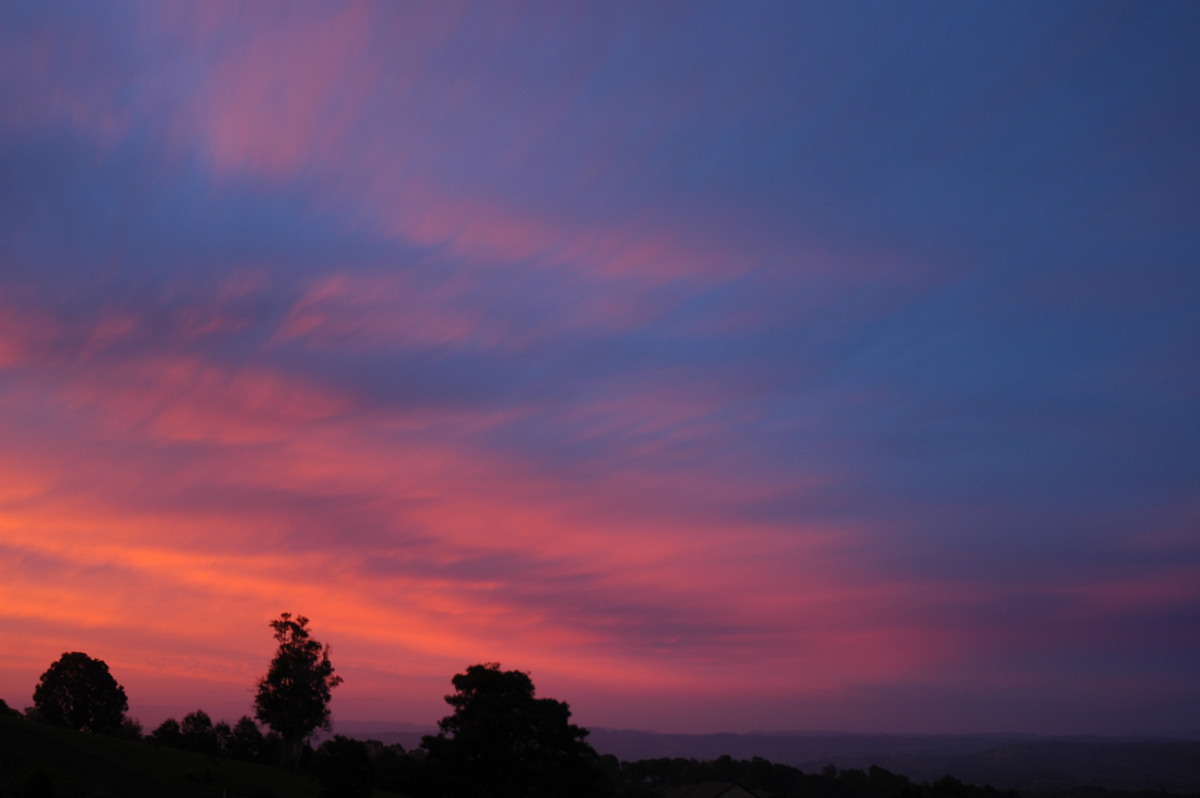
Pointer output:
187, 399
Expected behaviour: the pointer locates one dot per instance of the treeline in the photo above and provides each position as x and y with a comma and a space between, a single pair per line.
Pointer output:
500, 740
352, 768
244, 740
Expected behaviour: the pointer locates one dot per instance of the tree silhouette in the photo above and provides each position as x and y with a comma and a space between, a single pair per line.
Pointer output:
79, 692
198, 733
246, 741
342, 768
293, 698
502, 741
168, 733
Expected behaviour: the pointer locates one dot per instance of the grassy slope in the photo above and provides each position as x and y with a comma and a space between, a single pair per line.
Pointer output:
93, 765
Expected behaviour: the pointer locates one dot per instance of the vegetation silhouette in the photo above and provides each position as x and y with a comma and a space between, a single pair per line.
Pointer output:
247, 742
243, 741
39, 759
79, 692
168, 733
293, 697
342, 768
502, 742
197, 733
499, 741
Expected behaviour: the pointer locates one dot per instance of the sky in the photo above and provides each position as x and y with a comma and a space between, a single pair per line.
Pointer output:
724, 366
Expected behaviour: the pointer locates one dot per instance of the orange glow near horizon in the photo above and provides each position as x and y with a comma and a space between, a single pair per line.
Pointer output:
197, 573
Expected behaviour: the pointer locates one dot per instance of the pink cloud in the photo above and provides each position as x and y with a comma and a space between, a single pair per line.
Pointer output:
26, 333
1145, 595
467, 499
351, 98
185, 398
297, 91
425, 493
382, 311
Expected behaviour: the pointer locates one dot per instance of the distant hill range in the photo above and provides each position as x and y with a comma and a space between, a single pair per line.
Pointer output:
1024, 762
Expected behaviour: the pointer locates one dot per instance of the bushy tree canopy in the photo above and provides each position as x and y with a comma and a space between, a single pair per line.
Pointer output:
502, 741
8, 712
293, 698
198, 733
246, 741
342, 768
168, 733
79, 692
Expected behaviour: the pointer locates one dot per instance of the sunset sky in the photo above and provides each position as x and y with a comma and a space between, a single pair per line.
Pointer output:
726, 366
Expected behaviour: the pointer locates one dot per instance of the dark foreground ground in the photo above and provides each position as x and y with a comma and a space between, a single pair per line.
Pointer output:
1025, 763
38, 760
42, 761
1022, 762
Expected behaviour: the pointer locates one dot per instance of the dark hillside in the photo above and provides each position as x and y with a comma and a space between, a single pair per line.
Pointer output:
1004, 761
85, 765
1050, 765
